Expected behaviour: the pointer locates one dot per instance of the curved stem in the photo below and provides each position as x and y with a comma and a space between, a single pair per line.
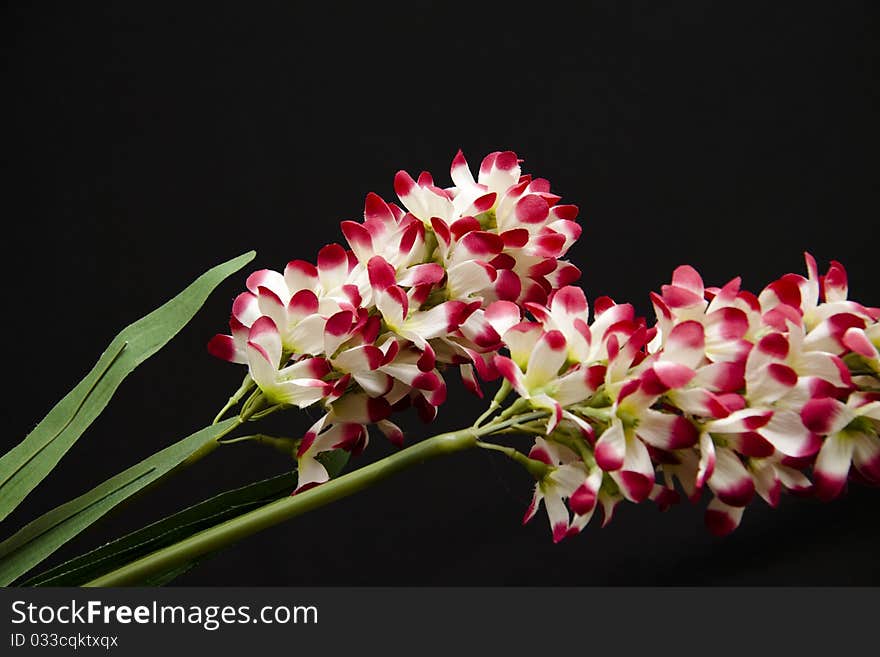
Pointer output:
284, 445
245, 387
519, 406
537, 469
500, 396
254, 406
233, 530
271, 514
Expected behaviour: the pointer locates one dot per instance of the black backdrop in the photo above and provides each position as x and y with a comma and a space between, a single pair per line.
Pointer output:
146, 143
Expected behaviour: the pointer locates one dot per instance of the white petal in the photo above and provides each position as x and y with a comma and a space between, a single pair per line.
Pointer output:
502, 315
821, 365
310, 471
572, 387
521, 340
467, 278
832, 465
610, 449
707, 459
787, 433
722, 518
545, 360
730, 481
557, 514
307, 337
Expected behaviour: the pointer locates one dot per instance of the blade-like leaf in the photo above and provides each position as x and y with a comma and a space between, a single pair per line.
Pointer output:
40, 538
26, 464
161, 579
177, 527
169, 530
334, 461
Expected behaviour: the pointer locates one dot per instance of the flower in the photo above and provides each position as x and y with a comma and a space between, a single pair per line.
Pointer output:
729, 391
568, 479
422, 287
851, 429
298, 384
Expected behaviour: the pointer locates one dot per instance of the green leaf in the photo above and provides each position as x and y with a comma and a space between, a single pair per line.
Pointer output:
169, 530
177, 527
28, 463
334, 461
161, 579
40, 538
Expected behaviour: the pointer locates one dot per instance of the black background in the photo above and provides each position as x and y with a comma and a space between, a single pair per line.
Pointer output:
147, 142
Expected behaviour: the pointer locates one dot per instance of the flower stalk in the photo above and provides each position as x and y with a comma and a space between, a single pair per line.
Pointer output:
246, 386
234, 530
729, 391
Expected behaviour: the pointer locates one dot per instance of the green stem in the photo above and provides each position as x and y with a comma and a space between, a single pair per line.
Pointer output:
252, 407
259, 415
231, 531
500, 396
519, 406
530, 429
535, 468
245, 387
602, 414
286, 446
271, 514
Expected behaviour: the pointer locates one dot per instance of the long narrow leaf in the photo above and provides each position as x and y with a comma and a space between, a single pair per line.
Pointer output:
40, 538
169, 530
28, 463
176, 527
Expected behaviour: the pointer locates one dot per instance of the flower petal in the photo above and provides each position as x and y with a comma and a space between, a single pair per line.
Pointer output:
469, 277
361, 409
264, 334
855, 340
787, 433
721, 518
685, 344
771, 382
825, 415
502, 315
866, 456
666, 431
510, 371
332, 266
730, 481
521, 340
268, 279
548, 355
300, 275
362, 358
225, 348
832, 466
706, 467
636, 475
611, 447
392, 432
394, 306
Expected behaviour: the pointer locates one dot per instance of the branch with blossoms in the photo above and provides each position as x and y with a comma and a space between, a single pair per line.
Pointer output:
727, 391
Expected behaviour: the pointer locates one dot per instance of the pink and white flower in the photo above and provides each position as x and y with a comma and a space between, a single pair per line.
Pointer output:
851, 440
568, 480
540, 381
297, 384
729, 391
343, 427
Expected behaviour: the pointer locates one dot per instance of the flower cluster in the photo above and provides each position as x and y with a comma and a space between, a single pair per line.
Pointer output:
731, 392
366, 331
